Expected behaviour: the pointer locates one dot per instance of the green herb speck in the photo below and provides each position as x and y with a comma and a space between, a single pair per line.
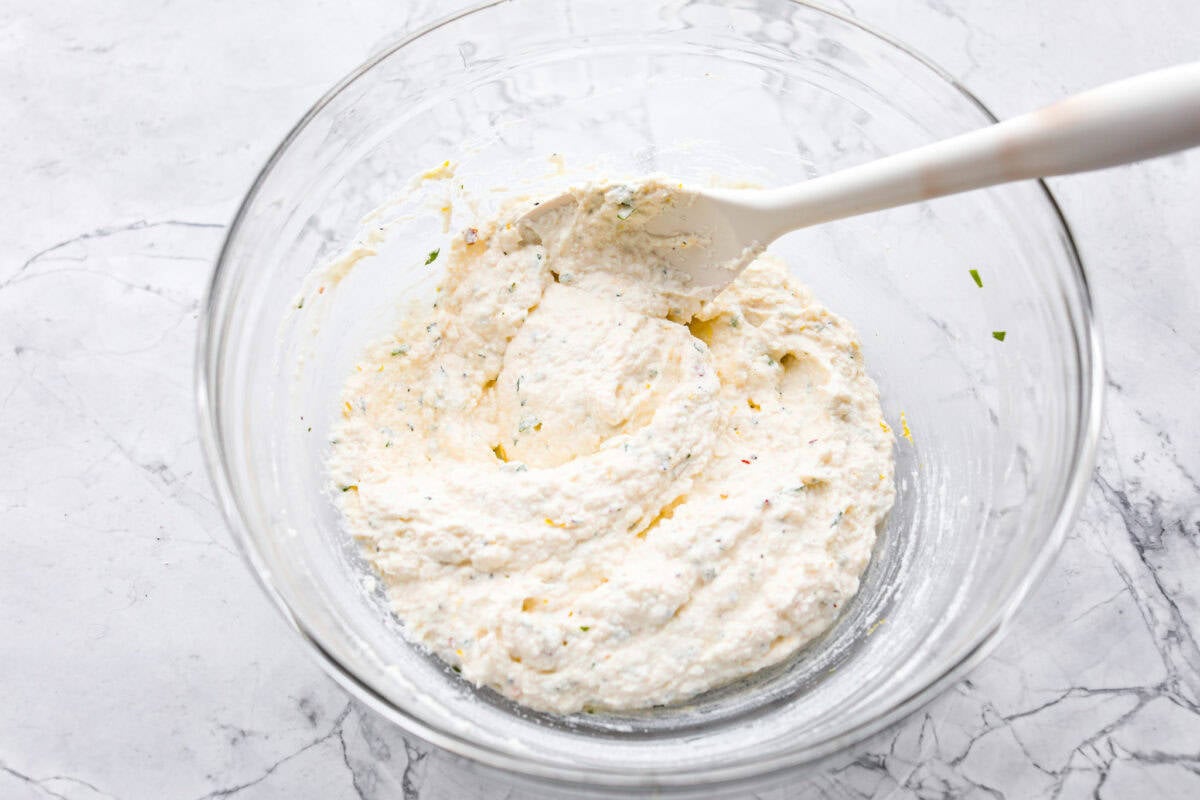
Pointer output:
585, 628
975, 277
300, 304
433, 254
999, 335
401, 350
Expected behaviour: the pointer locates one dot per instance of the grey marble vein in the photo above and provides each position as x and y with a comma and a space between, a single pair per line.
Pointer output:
140, 660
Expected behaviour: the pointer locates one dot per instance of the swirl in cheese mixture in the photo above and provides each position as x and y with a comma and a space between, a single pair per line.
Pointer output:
587, 489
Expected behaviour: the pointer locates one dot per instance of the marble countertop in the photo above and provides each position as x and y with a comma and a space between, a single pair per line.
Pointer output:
140, 660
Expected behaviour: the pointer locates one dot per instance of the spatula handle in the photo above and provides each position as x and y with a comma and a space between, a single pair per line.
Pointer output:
1129, 120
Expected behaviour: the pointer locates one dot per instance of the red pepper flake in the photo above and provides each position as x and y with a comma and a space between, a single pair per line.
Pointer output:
812, 441
745, 461
321, 290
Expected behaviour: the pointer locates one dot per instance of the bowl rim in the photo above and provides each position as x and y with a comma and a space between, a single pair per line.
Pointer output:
208, 350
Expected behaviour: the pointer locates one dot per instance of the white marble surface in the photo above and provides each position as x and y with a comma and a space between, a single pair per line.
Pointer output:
139, 659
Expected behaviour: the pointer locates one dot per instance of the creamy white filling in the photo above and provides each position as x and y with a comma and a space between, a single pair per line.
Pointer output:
586, 489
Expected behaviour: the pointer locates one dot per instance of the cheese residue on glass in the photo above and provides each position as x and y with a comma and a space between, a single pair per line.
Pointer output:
588, 489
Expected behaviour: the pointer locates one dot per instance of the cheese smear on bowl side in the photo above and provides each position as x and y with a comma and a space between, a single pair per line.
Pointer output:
587, 489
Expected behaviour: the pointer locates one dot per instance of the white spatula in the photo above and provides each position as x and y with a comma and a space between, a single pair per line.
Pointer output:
1118, 123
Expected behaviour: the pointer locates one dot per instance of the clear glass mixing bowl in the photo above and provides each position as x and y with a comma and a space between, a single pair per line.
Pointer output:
769, 91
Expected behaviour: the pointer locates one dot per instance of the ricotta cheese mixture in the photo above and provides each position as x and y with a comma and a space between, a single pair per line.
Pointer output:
587, 489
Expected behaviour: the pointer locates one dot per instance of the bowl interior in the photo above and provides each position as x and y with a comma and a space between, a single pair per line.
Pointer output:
768, 92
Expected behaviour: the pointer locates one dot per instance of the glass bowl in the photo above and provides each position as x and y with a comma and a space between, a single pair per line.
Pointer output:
996, 437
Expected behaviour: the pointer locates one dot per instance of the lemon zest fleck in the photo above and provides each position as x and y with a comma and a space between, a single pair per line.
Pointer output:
440, 172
